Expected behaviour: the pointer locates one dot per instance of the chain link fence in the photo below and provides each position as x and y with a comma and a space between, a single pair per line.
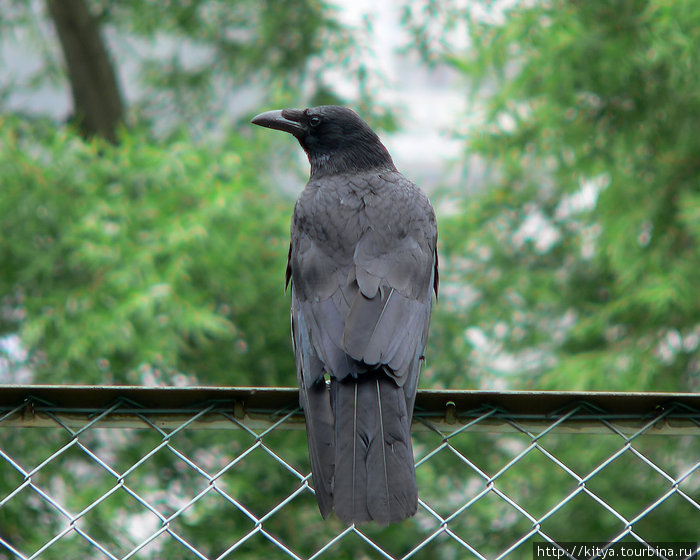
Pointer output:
118, 473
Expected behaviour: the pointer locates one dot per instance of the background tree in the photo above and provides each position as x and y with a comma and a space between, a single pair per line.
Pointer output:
575, 267
200, 64
159, 259
582, 252
119, 248
96, 95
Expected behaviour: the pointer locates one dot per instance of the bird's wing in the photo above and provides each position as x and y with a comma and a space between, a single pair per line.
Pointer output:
314, 398
388, 317
395, 271
372, 309
319, 305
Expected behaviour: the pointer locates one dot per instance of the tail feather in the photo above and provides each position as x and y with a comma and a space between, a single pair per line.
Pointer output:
374, 472
316, 402
350, 479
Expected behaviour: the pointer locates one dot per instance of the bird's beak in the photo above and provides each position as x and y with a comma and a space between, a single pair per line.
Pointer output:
280, 120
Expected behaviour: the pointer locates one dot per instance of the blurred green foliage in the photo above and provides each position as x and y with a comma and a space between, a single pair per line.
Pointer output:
160, 260
583, 250
143, 259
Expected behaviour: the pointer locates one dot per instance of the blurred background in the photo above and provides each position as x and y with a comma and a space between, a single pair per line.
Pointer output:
144, 222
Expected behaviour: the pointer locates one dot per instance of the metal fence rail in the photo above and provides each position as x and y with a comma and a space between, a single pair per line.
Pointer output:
126, 472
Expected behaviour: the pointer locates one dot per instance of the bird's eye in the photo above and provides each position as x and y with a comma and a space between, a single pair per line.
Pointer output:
314, 121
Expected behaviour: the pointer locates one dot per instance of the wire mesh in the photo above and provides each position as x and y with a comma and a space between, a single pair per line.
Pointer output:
190, 474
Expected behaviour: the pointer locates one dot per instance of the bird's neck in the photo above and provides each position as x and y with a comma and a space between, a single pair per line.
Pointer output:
350, 160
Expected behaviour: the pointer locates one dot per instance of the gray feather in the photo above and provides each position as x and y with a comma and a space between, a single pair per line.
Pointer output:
314, 398
316, 402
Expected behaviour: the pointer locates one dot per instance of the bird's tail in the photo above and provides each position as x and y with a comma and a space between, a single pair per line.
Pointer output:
374, 474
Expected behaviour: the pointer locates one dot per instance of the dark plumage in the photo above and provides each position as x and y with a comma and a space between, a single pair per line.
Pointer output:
363, 267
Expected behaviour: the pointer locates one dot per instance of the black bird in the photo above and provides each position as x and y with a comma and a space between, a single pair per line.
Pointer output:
362, 265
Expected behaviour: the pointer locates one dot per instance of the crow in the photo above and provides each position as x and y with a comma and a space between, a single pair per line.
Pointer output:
362, 266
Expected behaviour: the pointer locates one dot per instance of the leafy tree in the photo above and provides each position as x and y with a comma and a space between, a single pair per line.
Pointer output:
582, 254
147, 259
141, 261
575, 266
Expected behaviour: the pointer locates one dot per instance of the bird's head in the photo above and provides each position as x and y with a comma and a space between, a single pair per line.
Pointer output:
335, 139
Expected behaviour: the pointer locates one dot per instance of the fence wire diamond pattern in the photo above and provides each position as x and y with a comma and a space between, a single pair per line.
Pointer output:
187, 474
